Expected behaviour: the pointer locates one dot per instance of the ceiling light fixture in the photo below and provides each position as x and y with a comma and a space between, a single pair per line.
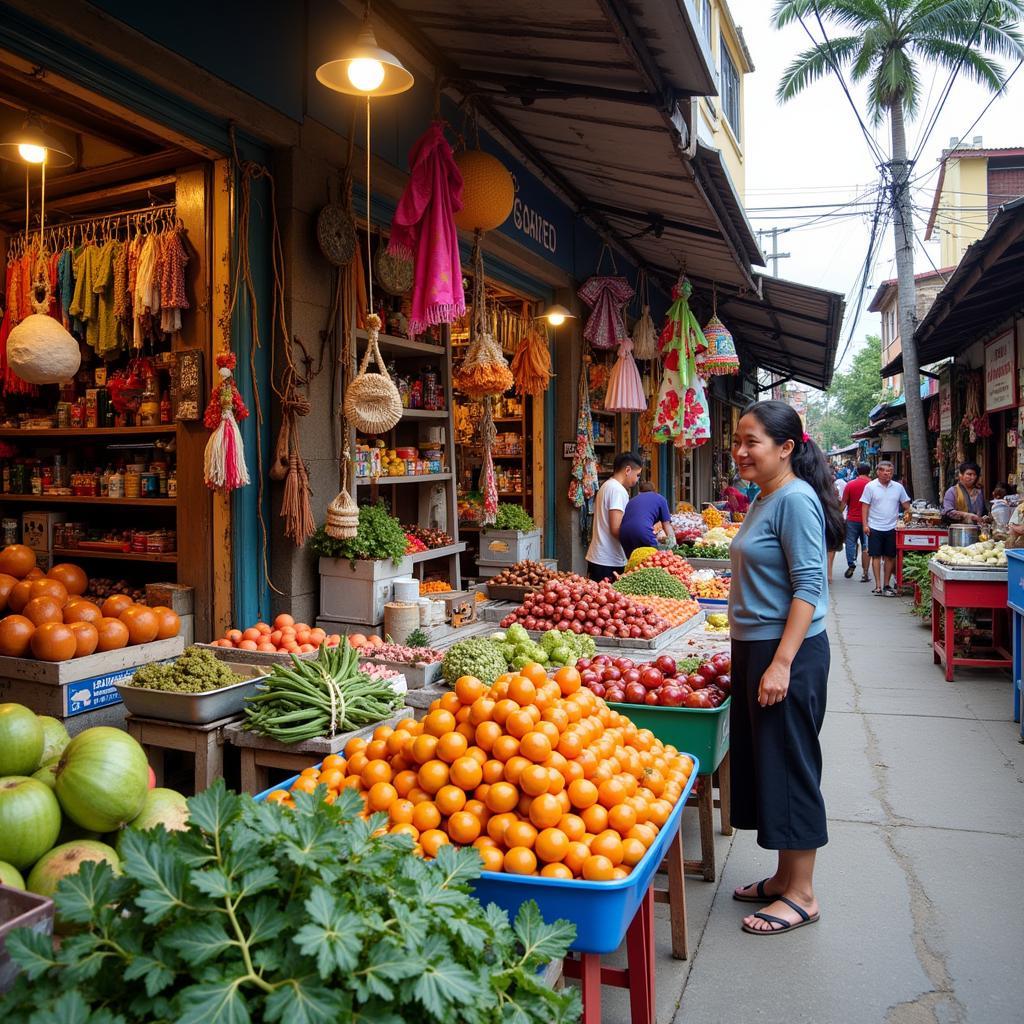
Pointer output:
32, 145
556, 315
366, 69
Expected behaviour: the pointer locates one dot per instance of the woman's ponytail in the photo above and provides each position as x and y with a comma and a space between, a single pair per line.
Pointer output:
808, 462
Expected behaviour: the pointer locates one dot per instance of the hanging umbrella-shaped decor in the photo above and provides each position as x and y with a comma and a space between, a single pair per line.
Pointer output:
645, 334
606, 295
625, 388
719, 358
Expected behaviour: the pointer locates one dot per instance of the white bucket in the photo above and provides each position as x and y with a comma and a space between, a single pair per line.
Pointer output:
407, 589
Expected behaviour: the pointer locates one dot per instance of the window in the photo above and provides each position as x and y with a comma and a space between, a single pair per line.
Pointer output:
730, 90
704, 15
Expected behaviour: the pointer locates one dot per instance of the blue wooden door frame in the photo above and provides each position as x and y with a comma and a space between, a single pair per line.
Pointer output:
49, 49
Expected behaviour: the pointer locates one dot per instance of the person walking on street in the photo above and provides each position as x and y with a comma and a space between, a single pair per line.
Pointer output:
780, 659
964, 502
605, 556
839, 482
880, 505
645, 517
851, 496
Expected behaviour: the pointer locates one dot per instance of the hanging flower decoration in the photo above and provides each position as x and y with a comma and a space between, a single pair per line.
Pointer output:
606, 295
224, 466
682, 417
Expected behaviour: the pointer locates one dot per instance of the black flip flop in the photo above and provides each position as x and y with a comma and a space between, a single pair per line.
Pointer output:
877, 592
760, 896
785, 926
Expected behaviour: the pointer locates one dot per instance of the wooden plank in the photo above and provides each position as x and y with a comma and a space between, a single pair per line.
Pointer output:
223, 577
195, 526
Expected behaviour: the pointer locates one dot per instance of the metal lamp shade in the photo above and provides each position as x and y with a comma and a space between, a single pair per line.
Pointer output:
335, 73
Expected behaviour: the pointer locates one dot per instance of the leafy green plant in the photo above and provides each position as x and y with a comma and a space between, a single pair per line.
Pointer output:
263, 913
379, 535
417, 638
916, 571
703, 550
513, 517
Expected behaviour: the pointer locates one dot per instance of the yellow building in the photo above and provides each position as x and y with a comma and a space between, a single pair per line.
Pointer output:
973, 183
719, 119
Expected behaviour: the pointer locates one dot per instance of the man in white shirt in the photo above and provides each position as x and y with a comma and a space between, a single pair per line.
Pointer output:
605, 556
880, 504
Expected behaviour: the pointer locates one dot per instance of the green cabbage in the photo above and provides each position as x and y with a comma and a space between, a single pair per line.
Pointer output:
473, 657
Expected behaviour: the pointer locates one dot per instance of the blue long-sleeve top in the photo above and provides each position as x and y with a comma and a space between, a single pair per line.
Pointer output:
778, 555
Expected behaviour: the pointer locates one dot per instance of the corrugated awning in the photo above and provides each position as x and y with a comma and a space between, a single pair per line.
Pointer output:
596, 95
792, 329
986, 288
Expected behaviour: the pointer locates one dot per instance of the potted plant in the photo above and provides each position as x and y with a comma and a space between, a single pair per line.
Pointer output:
357, 575
513, 538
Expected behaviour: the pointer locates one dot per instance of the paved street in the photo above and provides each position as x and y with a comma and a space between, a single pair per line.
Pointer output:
919, 886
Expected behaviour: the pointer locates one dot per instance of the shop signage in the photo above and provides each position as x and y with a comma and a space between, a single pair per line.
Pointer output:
1001, 373
945, 404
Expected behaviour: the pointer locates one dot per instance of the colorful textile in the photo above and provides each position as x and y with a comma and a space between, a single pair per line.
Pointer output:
423, 230
682, 417
625, 388
605, 327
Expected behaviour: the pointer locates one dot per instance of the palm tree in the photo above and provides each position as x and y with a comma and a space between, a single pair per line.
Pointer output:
886, 43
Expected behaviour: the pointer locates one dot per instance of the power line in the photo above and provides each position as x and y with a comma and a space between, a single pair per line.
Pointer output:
808, 206
949, 85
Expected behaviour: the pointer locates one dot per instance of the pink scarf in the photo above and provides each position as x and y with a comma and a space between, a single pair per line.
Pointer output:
423, 229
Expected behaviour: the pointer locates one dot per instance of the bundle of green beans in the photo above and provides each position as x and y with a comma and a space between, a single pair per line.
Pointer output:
322, 697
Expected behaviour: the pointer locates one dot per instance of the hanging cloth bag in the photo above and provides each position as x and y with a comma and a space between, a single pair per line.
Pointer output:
372, 402
606, 295
645, 334
625, 388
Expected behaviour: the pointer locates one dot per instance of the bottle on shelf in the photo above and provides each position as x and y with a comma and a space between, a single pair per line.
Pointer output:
165, 407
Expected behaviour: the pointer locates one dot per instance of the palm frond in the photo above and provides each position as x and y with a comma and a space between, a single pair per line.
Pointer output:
972, 64
874, 43
811, 65
857, 14
895, 81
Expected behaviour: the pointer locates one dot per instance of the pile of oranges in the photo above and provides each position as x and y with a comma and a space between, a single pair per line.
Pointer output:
541, 776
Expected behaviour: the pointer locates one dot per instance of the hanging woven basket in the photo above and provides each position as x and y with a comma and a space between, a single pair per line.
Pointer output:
393, 273
720, 358
372, 402
488, 191
343, 512
336, 234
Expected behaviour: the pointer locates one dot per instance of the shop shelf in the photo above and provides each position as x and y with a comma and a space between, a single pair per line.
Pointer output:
702, 732
508, 419
385, 481
433, 553
424, 414
117, 556
601, 911
404, 346
75, 499
87, 432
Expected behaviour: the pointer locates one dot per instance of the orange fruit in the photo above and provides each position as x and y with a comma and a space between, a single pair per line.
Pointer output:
568, 679
582, 793
379, 797
480, 711
520, 833
400, 811
520, 861
536, 745
465, 773
595, 818
45, 587
168, 622
19, 596
43, 609
611, 792
432, 840
449, 799
622, 818
533, 780
53, 641
433, 775
426, 816
575, 856
536, 673
469, 689
487, 733
505, 747
632, 852
572, 825
113, 634
451, 746
545, 811
597, 868
497, 825
86, 638
438, 722
424, 748
463, 827
376, 771
551, 845
492, 858
406, 829
522, 690
519, 723
493, 771
501, 797
17, 560
555, 870
142, 622
115, 604
608, 844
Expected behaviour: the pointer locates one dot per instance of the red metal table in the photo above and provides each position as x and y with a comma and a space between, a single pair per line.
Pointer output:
968, 588
915, 540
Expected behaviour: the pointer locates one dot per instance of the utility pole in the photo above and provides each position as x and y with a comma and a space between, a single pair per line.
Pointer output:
774, 255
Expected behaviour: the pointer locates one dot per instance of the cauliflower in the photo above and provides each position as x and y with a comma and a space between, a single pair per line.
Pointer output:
473, 657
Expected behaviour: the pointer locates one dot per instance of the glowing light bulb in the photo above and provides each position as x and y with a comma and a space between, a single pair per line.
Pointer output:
556, 319
365, 73
32, 154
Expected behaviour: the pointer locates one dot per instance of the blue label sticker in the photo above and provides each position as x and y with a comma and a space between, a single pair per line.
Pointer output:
90, 694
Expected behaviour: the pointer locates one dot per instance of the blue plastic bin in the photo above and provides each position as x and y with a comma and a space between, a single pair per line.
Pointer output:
1015, 602
601, 911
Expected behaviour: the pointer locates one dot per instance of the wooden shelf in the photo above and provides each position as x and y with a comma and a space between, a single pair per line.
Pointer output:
117, 556
424, 414
384, 481
604, 444
510, 494
87, 432
603, 412
404, 346
433, 553
508, 419
75, 499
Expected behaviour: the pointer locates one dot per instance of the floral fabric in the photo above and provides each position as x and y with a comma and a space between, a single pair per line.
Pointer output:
682, 413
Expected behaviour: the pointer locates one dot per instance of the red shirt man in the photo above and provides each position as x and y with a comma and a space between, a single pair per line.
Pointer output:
855, 521
851, 498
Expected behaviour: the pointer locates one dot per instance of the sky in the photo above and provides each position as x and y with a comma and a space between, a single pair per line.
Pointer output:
811, 151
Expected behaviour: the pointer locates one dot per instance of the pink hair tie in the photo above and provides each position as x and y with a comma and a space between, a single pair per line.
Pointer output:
806, 438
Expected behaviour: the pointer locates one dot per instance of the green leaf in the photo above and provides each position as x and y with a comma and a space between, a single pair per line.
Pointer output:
214, 809
85, 955
445, 984
161, 877
332, 936
258, 880
458, 866
541, 942
264, 919
305, 1001
69, 1008
471, 934
155, 973
31, 951
199, 942
213, 882
213, 1004
80, 896
388, 965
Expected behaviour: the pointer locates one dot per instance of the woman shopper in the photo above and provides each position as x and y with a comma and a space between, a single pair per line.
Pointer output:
780, 658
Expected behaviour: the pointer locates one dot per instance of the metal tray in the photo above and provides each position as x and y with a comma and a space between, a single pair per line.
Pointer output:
194, 708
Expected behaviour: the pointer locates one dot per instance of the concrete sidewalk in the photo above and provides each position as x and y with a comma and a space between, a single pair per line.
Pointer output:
920, 884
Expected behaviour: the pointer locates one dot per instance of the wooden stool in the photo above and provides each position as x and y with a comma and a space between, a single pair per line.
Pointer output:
204, 742
675, 897
256, 765
638, 976
706, 803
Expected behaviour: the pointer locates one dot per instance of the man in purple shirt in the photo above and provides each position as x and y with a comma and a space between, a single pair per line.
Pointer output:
643, 513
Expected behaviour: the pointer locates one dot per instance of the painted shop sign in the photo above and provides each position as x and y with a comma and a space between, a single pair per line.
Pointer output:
1001, 373
945, 405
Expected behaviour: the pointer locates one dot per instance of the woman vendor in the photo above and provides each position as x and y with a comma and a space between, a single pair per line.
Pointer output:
965, 501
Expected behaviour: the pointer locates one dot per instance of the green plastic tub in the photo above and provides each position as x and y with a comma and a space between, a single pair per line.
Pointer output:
702, 732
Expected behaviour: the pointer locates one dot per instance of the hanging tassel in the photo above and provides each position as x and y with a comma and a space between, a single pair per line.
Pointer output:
224, 459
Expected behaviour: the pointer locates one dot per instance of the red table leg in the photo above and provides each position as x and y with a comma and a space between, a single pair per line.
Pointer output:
950, 645
936, 608
590, 987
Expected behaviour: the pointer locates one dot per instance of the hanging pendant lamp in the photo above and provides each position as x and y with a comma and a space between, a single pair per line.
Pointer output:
366, 69
39, 349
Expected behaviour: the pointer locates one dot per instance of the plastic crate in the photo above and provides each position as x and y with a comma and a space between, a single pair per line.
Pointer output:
702, 732
601, 911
